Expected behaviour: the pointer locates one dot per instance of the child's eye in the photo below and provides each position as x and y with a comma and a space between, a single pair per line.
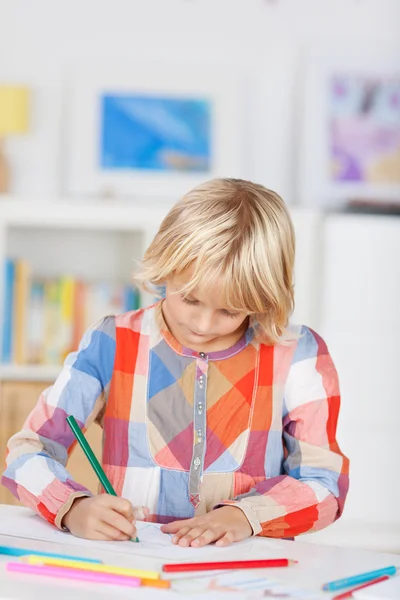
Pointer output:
229, 314
187, 301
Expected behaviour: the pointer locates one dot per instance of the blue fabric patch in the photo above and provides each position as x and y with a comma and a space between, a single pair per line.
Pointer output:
173, 499
159, 376
173, 362
293, 447
225, 463
97, 359
59, 471
307, 346
327, 478
17, 464
79, 396
273, 464
139, 455
284, 408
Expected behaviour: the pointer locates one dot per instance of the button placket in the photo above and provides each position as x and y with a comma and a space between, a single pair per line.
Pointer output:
199, 425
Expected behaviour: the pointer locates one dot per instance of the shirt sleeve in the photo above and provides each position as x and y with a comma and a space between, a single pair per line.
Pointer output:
37, 455
310, 493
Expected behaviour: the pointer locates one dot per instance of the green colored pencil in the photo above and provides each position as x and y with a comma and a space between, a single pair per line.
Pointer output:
82, 441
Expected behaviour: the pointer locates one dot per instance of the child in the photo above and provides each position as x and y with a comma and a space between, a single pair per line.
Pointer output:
219, 418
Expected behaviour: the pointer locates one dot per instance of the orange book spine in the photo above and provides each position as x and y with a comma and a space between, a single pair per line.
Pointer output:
21, 305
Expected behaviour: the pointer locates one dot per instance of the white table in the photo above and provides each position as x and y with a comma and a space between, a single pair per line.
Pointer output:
317, 565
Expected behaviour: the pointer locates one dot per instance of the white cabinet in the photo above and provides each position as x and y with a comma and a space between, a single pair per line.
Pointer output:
360, 320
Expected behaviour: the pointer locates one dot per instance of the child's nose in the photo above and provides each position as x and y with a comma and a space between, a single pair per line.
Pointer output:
205, 322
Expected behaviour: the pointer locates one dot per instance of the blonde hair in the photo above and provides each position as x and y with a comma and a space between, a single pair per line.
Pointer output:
237, 234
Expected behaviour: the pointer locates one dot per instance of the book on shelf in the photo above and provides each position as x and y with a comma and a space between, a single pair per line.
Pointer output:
44, 319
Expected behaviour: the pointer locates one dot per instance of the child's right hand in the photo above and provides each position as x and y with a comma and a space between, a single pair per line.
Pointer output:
103, 517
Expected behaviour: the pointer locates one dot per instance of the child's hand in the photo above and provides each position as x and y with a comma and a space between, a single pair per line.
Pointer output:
223, 525
103, 517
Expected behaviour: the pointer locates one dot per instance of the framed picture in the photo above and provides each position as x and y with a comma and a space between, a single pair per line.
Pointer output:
146, 130
350, 142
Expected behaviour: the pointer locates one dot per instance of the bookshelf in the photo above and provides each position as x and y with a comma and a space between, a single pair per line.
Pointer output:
87, 239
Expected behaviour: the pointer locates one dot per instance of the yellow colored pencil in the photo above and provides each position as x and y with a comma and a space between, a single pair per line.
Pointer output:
73, 564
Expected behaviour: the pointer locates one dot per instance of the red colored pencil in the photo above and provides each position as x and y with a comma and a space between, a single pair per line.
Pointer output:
234, 564
349, 593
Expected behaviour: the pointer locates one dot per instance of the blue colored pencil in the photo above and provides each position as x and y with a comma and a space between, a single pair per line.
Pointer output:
339, 584
11, 551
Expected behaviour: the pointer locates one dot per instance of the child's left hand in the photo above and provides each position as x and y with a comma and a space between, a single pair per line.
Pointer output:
223, 526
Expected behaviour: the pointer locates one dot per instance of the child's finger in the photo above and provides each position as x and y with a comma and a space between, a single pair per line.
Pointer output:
179, 534
185, 536
118, 521
120, 505
207, 537
226, 539
175, 526
106, 531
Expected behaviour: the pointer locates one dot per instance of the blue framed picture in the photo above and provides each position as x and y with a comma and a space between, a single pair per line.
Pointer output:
144, 131
155, 133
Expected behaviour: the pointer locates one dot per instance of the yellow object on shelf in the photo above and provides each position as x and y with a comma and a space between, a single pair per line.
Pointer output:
14, 109
14, 119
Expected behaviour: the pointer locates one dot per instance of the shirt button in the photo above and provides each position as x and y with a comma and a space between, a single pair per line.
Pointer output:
200, 408
196, 462
202, 355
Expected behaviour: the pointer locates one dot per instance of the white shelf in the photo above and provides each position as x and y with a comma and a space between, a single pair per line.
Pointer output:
83, 214
29, 372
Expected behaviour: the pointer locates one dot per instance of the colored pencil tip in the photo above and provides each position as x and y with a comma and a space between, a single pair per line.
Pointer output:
293, 562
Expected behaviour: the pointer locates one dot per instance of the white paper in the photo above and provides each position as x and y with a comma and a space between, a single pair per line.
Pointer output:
23, 523
386, 590
249, 583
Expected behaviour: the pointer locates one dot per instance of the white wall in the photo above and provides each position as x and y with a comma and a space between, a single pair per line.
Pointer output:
41, 40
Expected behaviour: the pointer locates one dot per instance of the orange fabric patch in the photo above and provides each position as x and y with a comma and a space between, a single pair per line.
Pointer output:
120, 396
229, 417
239, 365
262, 416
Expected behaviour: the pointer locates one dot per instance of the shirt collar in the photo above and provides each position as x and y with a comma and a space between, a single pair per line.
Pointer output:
244, 341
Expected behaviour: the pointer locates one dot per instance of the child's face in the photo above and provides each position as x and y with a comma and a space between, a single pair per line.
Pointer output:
199, 320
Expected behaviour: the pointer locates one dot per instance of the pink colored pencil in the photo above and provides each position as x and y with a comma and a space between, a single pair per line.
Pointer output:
79, 575
349, 593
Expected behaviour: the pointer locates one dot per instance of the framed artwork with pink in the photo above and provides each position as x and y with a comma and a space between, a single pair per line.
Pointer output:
350, 140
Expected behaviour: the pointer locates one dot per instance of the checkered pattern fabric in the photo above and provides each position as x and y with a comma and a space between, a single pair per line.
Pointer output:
185, 431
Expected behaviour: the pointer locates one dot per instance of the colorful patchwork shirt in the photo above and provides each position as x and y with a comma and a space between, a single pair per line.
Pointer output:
185, 432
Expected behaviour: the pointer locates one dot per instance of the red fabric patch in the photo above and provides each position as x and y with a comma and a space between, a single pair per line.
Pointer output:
46, 513
266, 369
127, 342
